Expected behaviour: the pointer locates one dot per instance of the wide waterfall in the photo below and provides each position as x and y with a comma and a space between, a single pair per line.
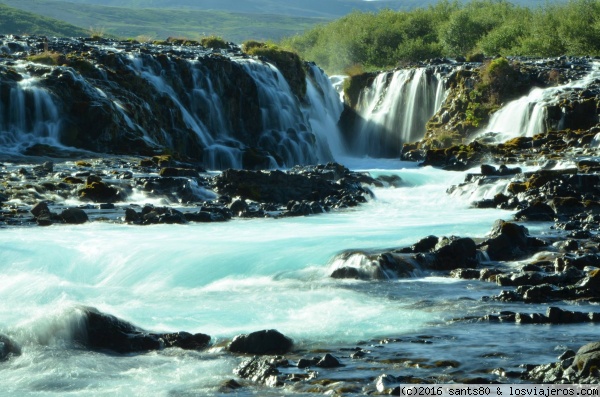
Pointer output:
528, 115
394, 109
225, 112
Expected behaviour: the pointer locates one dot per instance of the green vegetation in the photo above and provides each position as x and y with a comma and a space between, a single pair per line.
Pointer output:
213, 41
154, 24
451, 28
14, 21
48, 58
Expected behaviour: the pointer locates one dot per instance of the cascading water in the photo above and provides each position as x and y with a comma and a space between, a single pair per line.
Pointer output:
228, 112
29, 114
528, 115
394, 109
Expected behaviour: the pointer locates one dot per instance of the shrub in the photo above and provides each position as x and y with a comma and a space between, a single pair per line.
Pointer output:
48, 58
213, 41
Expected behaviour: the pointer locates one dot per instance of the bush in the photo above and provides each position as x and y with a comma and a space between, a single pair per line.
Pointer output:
215, 42
49, 58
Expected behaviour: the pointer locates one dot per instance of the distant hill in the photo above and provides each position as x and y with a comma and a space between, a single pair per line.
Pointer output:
15, 21
330, 9
301, 8
162, 23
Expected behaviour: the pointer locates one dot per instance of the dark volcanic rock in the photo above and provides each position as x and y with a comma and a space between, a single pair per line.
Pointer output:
452, 253
329, 361
297, 185
261, 342
8, 348
507, 241
260, 370
582, 368
100, 192
100, 331
74, 216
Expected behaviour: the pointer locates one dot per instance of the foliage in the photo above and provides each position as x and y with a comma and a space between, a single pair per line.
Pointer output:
49, 58
213, 41
451, 28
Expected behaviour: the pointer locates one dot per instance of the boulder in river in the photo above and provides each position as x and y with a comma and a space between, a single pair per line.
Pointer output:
261, 342
101, 331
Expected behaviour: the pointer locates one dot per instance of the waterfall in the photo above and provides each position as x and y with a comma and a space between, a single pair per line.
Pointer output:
323, 110
29, 115
394, 109
528, 115
226, 112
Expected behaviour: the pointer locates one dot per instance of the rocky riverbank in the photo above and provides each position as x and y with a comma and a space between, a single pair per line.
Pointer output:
115, 190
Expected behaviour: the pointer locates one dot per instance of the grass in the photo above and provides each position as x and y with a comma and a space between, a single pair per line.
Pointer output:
159, 24
15, 21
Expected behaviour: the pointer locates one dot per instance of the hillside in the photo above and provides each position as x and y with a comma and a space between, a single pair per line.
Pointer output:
15, 21
162, 23
329, 9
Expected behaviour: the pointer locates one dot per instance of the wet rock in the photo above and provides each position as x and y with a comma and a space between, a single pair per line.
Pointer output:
100, 192
39, 208
8, 348
260, 370
178, 172
386, 383
261, 342
100, 331
452, 253
329, 361
581, 368
466, 274
507, 241
131, 216
537, 211
307, 362
74, 216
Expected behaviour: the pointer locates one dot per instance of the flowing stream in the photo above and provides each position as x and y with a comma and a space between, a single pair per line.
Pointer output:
237, 277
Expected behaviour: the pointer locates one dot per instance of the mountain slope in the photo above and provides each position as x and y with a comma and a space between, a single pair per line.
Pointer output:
162, 23
15, 21
302, 8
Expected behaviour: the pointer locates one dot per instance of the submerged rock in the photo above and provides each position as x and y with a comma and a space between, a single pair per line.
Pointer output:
8, 348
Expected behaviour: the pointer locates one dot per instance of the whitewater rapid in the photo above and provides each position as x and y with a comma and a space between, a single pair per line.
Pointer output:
221, 279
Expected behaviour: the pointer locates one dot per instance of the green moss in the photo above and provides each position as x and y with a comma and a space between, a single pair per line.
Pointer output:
353, 86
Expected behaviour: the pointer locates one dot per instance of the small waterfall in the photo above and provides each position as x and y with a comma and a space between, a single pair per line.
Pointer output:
286, 131
323, 110
395, 109
528, 115
28, 115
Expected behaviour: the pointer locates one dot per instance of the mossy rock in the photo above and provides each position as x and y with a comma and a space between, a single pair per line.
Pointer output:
517, 187
289, 64
100, 192
354, 85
